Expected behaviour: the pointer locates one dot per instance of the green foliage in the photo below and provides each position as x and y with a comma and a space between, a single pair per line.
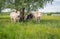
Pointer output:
48, 28
2, 2
49, 14
31, 4
28, 4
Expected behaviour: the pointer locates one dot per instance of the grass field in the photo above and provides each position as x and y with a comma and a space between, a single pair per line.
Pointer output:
48, 28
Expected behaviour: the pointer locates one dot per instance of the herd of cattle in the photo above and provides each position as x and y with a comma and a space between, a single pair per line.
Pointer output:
35, 15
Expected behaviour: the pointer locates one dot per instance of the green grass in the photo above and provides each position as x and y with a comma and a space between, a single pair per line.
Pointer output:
48, 28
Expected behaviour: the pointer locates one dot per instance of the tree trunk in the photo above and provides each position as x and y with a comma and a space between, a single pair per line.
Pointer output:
28, 10
22, 14
0, 10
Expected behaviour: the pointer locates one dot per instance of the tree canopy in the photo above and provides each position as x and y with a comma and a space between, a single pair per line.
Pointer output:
28, 4
2, 2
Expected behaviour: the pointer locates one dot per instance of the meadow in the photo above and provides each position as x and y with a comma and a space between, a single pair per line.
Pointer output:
48, 28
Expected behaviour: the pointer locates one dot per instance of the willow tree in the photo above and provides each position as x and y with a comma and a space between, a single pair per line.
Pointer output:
28, 5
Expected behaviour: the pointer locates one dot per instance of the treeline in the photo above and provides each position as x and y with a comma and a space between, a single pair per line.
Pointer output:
50, 13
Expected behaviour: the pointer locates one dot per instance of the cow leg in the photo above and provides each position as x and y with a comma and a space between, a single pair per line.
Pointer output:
39, 19
11, 19
18, 20
14, 20
35, 19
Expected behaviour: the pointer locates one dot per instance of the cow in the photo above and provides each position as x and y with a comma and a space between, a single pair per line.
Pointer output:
15, 16
29, 16
36, 15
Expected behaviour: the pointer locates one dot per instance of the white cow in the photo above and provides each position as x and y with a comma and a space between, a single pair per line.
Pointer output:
36, 15
15, 16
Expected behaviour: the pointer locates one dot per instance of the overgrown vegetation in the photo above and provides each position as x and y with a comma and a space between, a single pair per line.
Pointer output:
48, 28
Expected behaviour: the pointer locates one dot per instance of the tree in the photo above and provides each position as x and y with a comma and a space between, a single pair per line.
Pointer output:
28, 5
2, 2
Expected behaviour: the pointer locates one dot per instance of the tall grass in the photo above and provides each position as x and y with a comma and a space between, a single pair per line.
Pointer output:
48, 28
